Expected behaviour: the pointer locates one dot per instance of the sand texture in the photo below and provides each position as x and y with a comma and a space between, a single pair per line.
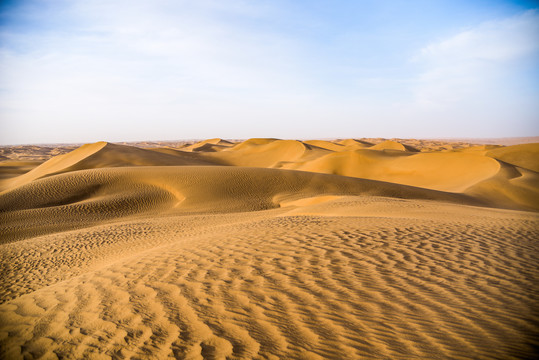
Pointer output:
270, 249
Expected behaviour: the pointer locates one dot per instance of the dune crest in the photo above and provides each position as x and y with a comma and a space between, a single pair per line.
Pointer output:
264, 152
214, 144
476, 170
393, 145
104, 155
438, 171
524, 155
355, 143
91, 196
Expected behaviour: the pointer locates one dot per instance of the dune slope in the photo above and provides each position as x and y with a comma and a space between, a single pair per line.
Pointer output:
271, 249
436, 281
82, 197
439, 171
102, 155
523, 155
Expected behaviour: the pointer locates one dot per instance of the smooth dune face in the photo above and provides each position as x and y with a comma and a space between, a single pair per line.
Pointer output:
439, 171
392, 145
271, 249
524, 155
103, 155
264, 154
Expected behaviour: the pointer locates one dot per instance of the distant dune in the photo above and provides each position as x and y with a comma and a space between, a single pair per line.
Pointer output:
497, 141
270, 249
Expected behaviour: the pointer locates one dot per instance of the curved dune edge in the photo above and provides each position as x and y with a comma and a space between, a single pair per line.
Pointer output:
511, 185
473, 170
452, 172
524, 155
77, 198
393, 145
481, 175
103, 155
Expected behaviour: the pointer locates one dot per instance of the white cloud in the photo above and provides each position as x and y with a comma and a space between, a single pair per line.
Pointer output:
472, 62
166, 41
475, 79
188, 66
168, 61
498, 41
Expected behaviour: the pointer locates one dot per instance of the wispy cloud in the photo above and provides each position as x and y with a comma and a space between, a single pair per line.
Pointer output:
476, 60
82, 70
478, 80
172, 61
174, 43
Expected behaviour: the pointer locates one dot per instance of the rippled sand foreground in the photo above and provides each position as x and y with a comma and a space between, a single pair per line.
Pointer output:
110, 252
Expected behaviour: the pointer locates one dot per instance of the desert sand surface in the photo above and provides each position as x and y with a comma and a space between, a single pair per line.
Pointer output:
270, 249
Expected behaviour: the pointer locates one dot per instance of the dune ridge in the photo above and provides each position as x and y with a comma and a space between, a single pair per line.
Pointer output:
103, 155
86, 196
271, 249
480, 172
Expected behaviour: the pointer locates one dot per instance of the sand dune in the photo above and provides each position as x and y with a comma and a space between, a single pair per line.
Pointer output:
281, 286
11, 169
328, 145
439, 171
355, 143
81, 198
103, 155
511, 185
268, 153
271, 249
210, 145
524, 155
393, 145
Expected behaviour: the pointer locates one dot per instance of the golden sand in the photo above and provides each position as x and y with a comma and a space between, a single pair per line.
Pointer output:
270, 249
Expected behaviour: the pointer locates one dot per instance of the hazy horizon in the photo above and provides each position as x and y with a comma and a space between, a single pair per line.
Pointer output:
83, 71
158, 142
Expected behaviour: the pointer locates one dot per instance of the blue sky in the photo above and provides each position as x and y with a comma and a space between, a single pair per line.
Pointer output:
82, 71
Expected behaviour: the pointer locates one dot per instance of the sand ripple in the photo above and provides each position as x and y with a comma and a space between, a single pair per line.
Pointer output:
279, 286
